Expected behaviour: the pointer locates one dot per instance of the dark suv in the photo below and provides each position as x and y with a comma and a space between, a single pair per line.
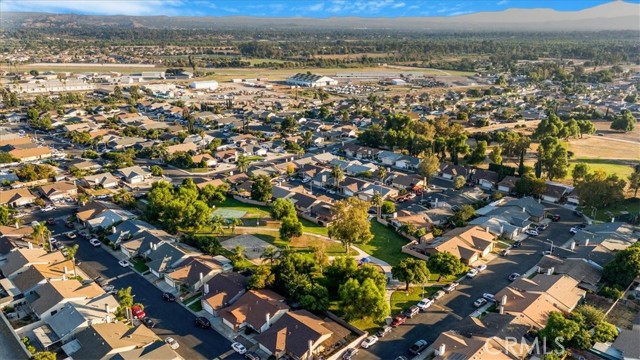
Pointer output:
169, 297
416, 348
203, 322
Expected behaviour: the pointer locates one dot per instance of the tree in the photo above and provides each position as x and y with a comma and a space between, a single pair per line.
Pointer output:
600, 190
411, 271
6, 158
580, 170
5, 216
634, 180
428, 167
261, 278
495, 156
352, 223
261, 189
586, 127
156, 170
217, 224
478, 154
270, 253
243, 163
338, 175
529, 185
41, 235
44, 355
282, 208
315, 298
463, 215
458, 182
388, 207
290, 227
376, 201
558, 327
373, 272
125, 300
363, 300
554, 158
445, 264
587, 316
624, 267
625, 122
320, 255
604, 332
342, 267
582, 340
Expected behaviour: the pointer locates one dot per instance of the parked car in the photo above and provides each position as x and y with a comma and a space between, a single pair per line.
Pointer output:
481, 268
71, 235
424, 304
451, 287
148, 322
547, 252
95, 242
398, 320
472, 273
172, 343
489, 297
137, 312
68, 224
99, 280
514, 276
412, 311
239, 348
83, 234
51, 221
419, 345
123, 263
531, 232
383, 331
349, 354
517, 244
481, 301
48, 208
169, 297
504, 252
555, 218
437, 295
543, 227
202, 322
369, 341
252, 356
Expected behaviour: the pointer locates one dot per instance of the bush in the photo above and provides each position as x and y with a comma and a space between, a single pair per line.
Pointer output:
611, 292
388, 207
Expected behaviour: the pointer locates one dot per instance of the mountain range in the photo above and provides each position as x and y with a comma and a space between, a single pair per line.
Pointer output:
616, 15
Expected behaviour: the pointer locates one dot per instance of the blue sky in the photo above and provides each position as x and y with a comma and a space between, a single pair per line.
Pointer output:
283, 8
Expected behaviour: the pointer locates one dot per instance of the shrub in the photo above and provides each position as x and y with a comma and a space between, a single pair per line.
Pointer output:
611, 292
388, 207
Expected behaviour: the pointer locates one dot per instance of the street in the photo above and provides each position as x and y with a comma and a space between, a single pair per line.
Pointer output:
171, 318
443, 315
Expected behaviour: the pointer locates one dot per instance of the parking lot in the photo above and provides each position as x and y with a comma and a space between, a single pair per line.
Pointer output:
451, 308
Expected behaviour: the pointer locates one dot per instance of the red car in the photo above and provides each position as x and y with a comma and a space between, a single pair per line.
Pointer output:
398, 320
137, 312
555, 218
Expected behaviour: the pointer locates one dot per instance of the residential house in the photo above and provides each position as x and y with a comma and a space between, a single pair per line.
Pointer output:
83, 165
518, 211
368, 191
303, 202
50, 298
297, 335
60, 190
229, 156
193, 272
626, 344
500, 226
487, 179
207, 159
101, 214
555, 192
407, 162
134, 174
20, 259
508, 184
31, 153
102, 180
142, 242
257, 309
110, 340
163, 257
407, 182
562, 289
451, 171
16, 197
409, 218
351, 186
588, 274
29, 280
389, 158
467, 243
323, 212
222, 290
189, 147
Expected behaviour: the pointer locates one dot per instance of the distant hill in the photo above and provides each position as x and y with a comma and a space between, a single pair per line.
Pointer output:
616, 15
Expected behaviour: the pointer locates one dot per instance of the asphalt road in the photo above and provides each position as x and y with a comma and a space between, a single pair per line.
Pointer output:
171, 318
443, 315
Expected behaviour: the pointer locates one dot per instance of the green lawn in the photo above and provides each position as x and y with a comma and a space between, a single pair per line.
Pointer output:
367, 325
386, 244
303, 243
308, 226
139, 265
198, 170
196, 306
607, 165
253, 211
402, 300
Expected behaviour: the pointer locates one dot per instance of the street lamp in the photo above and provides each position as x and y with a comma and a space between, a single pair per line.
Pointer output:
551, 241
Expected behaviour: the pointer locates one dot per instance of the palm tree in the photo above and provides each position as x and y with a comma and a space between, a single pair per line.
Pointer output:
217, 225
238, 252
376, 201
382, 173
243, 163
41, 235
271, 253
338, 175
233, 223
71, 255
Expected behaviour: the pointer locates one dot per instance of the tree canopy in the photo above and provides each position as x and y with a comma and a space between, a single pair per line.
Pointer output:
351, 225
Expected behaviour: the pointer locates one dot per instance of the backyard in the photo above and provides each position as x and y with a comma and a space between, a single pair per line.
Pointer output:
386, 244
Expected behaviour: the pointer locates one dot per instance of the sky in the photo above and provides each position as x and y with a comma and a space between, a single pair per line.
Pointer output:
284, 8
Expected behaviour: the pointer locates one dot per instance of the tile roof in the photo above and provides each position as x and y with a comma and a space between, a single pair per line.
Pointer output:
55, 292
222, 288
253, 307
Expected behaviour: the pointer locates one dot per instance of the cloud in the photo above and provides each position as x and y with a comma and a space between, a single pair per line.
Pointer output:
413, 7
114, 7
316, 7
502, 2
398, 5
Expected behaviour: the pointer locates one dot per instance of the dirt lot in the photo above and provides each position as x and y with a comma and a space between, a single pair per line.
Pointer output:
622, 314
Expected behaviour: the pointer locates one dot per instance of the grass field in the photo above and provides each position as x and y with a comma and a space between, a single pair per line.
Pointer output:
386, 244
622, 169
253, 211
402, 300
629, 205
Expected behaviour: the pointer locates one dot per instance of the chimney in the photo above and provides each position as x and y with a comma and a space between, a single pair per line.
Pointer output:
310, 349
550, 271
206, 288
17, 224
65, 270
267, 319
573, 245
441, 349
113, 229
586, 242
64, 277
523, 209
504, 300
201, 277
30, 245
613, 219
501, 310
107, 308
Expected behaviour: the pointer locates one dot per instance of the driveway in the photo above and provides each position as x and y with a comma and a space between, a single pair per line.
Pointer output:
443, 315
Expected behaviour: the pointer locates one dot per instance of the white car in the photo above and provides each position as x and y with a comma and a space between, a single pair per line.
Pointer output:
481, 267
306, 180
531, 232
489, 296
172, 342
411, 196
472, 273
95, 242
239, 348
123, 263
368, 342
481, 301
48, 208
424, 304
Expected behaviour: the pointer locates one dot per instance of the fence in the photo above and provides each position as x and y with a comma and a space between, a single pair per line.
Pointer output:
407, 249
360, 335
249, 201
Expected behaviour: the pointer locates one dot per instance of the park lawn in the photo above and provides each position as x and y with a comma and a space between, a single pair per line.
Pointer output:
309, 227
607, 165
198, 170
367, 325
302, 243
386, 244
402, 300
253, 211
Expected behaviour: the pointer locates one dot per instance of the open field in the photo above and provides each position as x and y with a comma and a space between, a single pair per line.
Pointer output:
386, 244
80, 67
600, 147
